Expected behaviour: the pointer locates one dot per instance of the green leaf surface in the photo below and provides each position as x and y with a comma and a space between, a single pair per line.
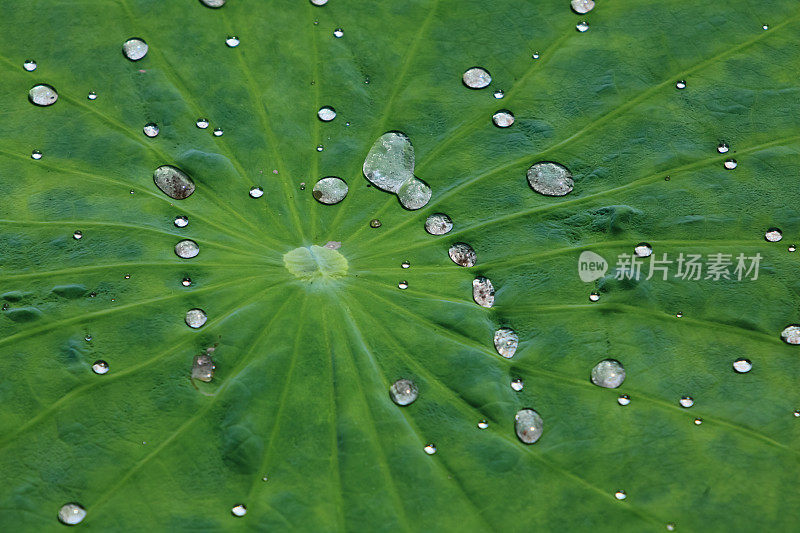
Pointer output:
297, 423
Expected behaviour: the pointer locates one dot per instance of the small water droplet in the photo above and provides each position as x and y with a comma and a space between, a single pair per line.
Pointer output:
218, 132
187, 249
517, 384
723, 148
796, 413
181, 221
88, 338
477, 78
173, 182
338, 33
680, 84
186, 282
792, 248
405, 264
499, 93
594, 296
213, 3
483, 424
319, 2
620, 495
582, 7
77, 235
550, 179
773, 235
132, 191
36, 154
582, 26
624, 399
506, 341
671, 526
265, 478
742, 366
203, 366
730, 164
134, 49
686, 401
100, 367
326, 113
256, 192
375, 223
608, 373
679, 314
643, 249
483, 291
430, 449
791, 334
195, 318
698, 421
92, 96
503, 118
92, 294
462, 254
403, 392
302, 186
529, 425
232, 41
150, 129
765, 27
43, 95
535, 55
402, 285
202, 123
320, 148
29, 65
346, 123
71, 514
438, 224
330, 190
239, 510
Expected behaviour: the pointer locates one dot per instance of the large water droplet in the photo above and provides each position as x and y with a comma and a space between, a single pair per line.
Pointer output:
173, 182
505, 342
326, 114
550, 179
390, 162
643, 249
791, 334
181, 221
582, 7
608, 373
517, 384
213, 3
528, 425
477, 78
239, 510
773, 235
150, 129
203, 367
483, 291
134, 49
582, 26
256, 192
330, 190
438, 224
187, 249
232, 41
414, 194
195, 318
43, 95
71, 514
503, 118
100, 367
462, 254
29, 65
686, 401
403, 392
742, 365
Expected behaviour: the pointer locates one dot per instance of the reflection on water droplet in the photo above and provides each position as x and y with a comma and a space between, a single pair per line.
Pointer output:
506, 341
88, 338
608, 373
338, 33
730, 164
477, 78
43, 95
624, 399
181, 221
582, 26
765, 27
256, 192
320, 148
620, 495
679, 314
680, 84
265, 478
173, 182
405, 264
36, 154
127, 276
723, 148
462, 254
71, 514
29, 65
150, 129
195, 318
535, 55
791, 334
239, 510
698, 421
100, 367
438, 224
686, 401
330, 190
503, 118
550, 179
643, 249
232, 41
319, 2
403, 392
202, 123
402, 285
430, 449
186, 282
134, 49
213, 3
517, 384
483, 291
92, 96
582, 7
187, 249
203, 367
742, 365
218, 132
483, 424
671, 526
77, 235
499, 93
594, 296
326, 114
796, 413
773, 235
528, 425
792, 248
375, 223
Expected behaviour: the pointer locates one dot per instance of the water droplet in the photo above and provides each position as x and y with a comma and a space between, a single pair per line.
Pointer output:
582, 26
202, 123
218, 132
550, 179
517, 384
671, 526
620, 495
402, 285
36, 154
483, 424
150, 129
239, 510
499, 93
506, 341
594, 296
686, 401
326, 114
213, 3
462, 254
302, 186
181, 221
338, 33
503, 118
88, 338
414, 194
792, 248
195, 318
679, 314
477, 78
92, 96
608, 373
403, 392
528, 425
127, 276
71, 514
92, 294
265, 478
698, 421
623, 399
320, 148
680, 84
405, 264
134, 49
100, 367
77, 235
186, 282
643, 249
430, 449
173, 182
796, 413
375, 223
43, 95
330, 190
535, 55
319, 2
390, 162
187, 249
791, 334
29, 65
742, 366
773, 235
582, 7
483, 291
730, 164
765, 27
438, 224
723, 148
256, 192
232, 41
202, 365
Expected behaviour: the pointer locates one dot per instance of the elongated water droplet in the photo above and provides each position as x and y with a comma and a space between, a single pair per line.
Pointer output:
232, 41
680, 84
150, 129
256, 192
506, 341
620, 495
338, 33
430, 449
643, 249
623, 399
730, 164
29, 65
36, 154
100, 367
608, 373
477, 78
503, 118
43, 95
462, 254
791, 334
173, 182
390, 162
203, 367
528, 425
187, 249
483, 424
517, 384
742, 365
722, 148
483, 291
181, 221
195, 318
186, 282
438, 224
330, 190
213, 3
134, 49
550, 179
686, 401
71, 514
582, 26
773, 235
326, 114
202, 123
239, 510
403, 392
77, 235
582, 7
